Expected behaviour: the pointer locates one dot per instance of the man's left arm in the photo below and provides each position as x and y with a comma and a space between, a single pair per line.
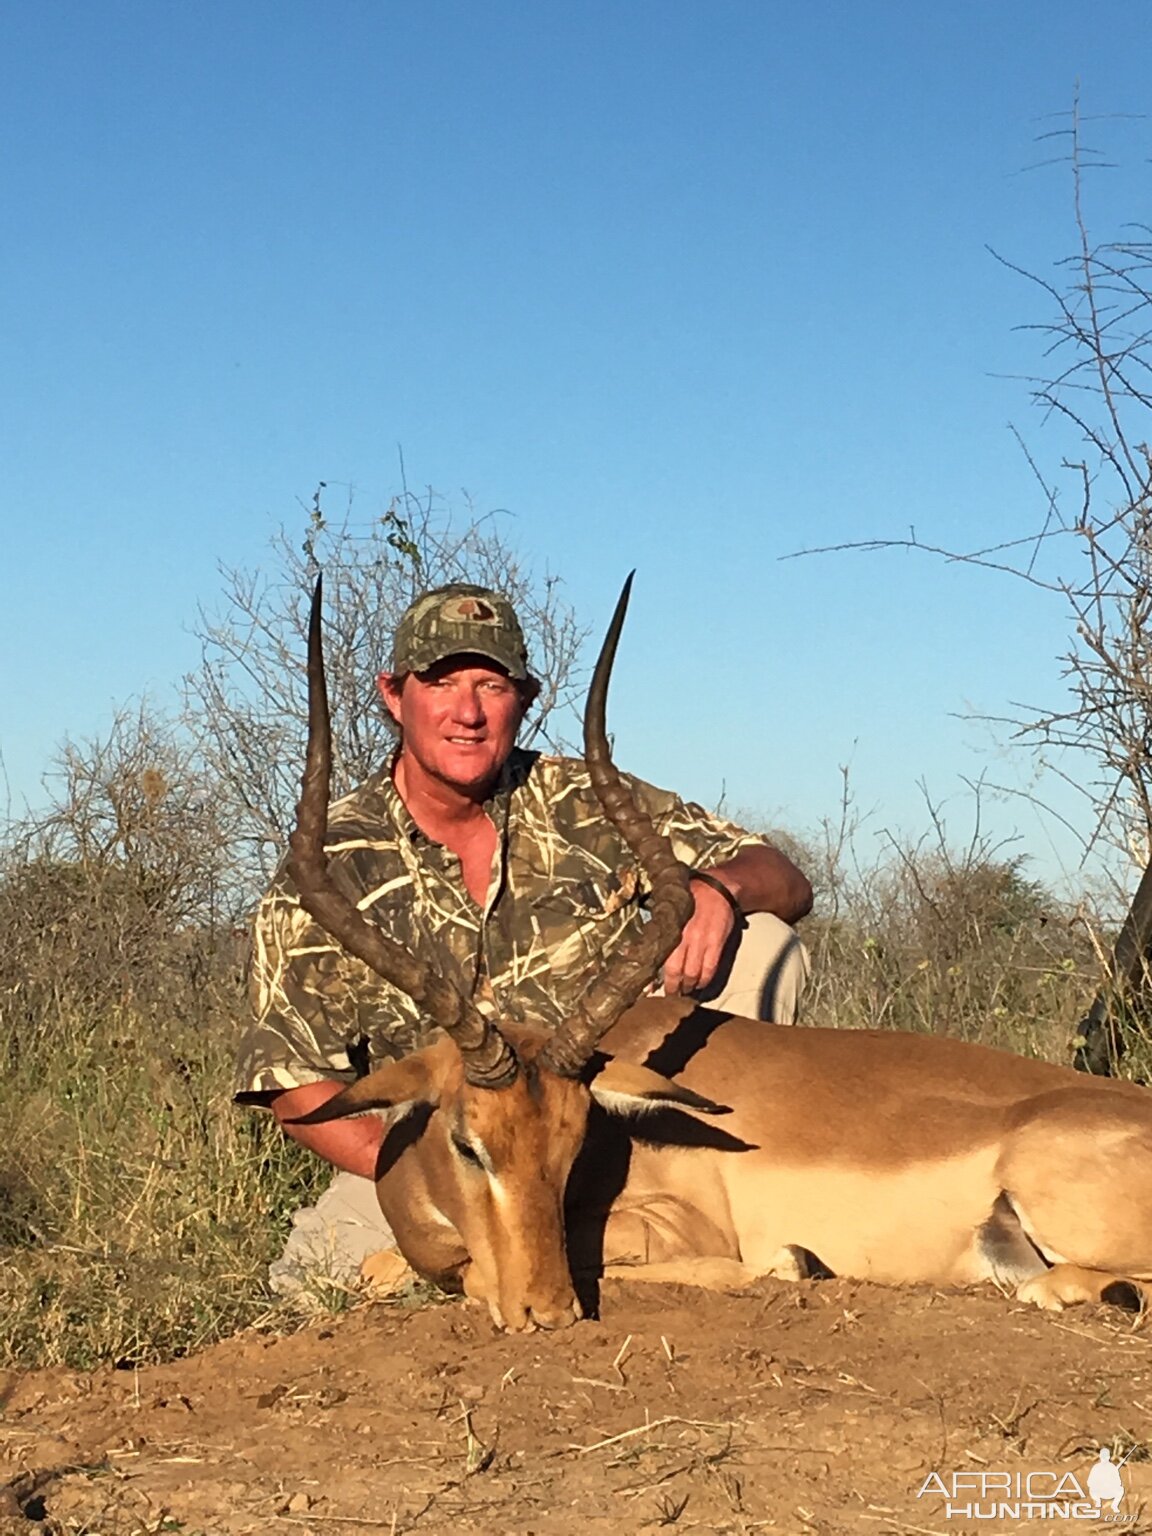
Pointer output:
758, 878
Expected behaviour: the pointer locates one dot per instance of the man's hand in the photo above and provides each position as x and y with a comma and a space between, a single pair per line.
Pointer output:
761, 879
692, 964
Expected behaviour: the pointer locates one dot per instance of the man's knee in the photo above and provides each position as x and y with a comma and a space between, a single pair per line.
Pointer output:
329, 1241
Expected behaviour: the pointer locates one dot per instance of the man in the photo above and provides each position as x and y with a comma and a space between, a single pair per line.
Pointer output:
497, 865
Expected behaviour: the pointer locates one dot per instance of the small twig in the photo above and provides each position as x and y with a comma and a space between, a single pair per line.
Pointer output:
854, 1381
620, 1353
389, 1525
644, 1429
478, 1457
1082, 1333
634, 1490
903, 1525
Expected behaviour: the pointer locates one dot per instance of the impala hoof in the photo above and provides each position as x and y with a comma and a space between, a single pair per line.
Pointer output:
1065, 1285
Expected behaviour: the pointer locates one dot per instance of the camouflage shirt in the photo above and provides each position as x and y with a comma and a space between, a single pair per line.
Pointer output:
563, 893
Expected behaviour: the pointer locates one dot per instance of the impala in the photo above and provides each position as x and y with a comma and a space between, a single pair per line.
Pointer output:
655, 1138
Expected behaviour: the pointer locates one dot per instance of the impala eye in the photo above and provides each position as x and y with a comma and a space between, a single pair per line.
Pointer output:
466, 1151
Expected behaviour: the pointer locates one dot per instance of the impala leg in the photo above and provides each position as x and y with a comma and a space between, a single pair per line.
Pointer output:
660, 1229
1066, 1284
1078, 1173
718, 1274
709, 1274
793, 1263
670, 1241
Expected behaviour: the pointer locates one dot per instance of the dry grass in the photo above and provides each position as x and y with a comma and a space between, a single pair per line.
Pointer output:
138, 1208
977, 954
960, 942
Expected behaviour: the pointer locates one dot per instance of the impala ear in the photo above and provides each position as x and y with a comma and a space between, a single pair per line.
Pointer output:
399, 1087
623, 1088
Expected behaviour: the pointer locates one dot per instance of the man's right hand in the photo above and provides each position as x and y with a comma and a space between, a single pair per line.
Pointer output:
692, 964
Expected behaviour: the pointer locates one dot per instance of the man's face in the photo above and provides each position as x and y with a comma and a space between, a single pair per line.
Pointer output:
459, 720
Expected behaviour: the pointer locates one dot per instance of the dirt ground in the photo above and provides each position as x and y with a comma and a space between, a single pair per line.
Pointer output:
820, 1408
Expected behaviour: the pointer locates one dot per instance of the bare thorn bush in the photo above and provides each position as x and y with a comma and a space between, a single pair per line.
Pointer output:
247, 700
940, 936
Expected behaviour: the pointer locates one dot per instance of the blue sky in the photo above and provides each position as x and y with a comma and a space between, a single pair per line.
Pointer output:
684, 286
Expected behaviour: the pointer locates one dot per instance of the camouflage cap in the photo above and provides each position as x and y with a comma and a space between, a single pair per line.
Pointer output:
457, 620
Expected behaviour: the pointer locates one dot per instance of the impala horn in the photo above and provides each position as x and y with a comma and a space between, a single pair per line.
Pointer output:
637, 962
489, 1061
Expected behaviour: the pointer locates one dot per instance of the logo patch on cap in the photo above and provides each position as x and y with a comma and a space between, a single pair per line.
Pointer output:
468, 610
